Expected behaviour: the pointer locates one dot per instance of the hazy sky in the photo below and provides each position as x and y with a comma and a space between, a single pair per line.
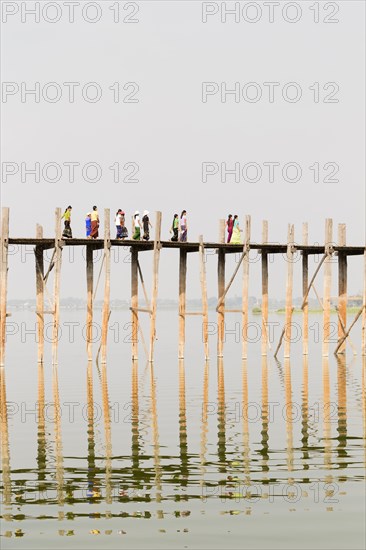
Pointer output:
161, 62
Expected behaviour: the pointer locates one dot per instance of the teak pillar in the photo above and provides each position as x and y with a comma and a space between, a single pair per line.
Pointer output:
221, 291
342, 286
134, 302
182, 300
245, 289
155, 283
289, 284
57, 280
89, 306
363, 329
3, 280
305, 282
38, 253
327, 285
204, 297
264, 289
107, 284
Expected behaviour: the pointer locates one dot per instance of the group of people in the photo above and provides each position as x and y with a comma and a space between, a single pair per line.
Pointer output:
233, 229
178, 228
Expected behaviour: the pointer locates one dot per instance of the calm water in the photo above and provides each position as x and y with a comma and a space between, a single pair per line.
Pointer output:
255, 454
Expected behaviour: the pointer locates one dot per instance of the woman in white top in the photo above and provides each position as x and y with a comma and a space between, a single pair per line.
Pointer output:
117, 223
183, 227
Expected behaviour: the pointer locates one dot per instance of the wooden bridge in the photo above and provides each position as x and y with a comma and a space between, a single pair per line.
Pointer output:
57, 243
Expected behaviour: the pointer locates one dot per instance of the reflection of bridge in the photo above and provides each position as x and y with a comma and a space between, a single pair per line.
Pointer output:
145, 476
289, 249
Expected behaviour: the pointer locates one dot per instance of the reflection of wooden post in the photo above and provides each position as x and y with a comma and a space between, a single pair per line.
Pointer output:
57, 268
38, 253
246, 438
155, 282
204, 296
289, 421
327, 415
89, 315
4, 279
134, 302
221, 415
327, 285
107, 283
305, 280
363, 336
264, 289
4, 447
221, 308
245, 289
342, 285
289, 282
182, 300
58, 438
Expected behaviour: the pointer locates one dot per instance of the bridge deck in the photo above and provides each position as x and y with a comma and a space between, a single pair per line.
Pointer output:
273, 248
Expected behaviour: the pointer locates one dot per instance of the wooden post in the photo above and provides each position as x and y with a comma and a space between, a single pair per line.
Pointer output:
204, 296
4, 280
221, 308
155, 282
363, 330
327, 285
245, 289
182, 301
289, 283
38, 253
56, 291
342, 285
134, 302
264, 289
107, 283
89, 314
221, 291
305, 281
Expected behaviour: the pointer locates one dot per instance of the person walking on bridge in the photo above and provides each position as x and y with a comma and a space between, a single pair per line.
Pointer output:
94, 223
236, 237
183, 227
146, 225
67, 223
124, 232
137, 226
230, 225
174, 228
88, 225
118, 224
